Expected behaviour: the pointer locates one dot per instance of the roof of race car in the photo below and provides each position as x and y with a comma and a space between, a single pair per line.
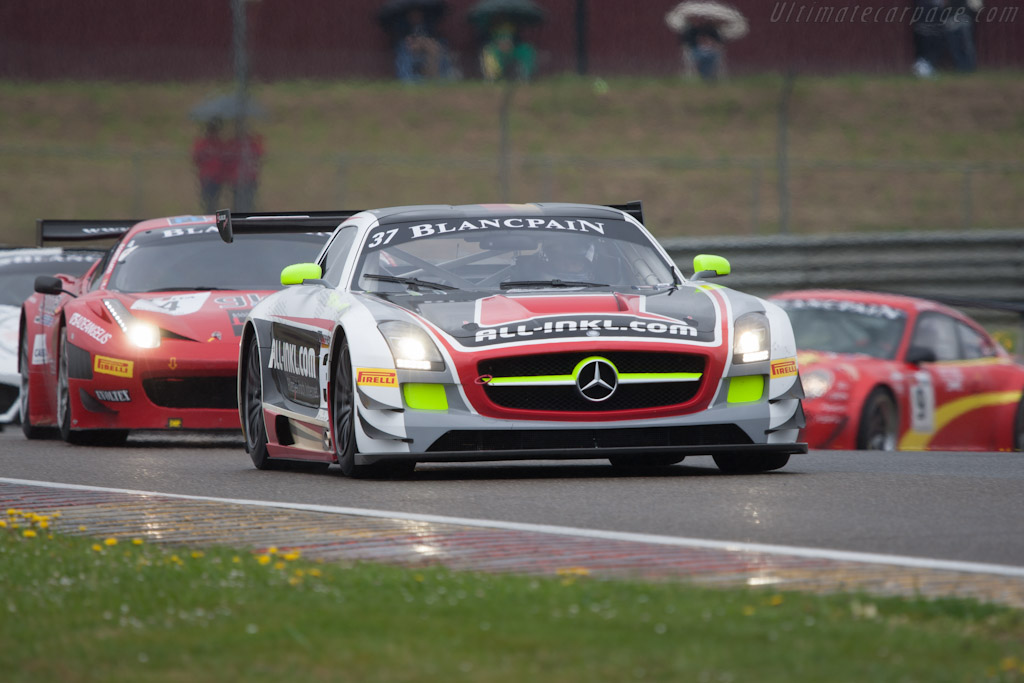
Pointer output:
448, 211
900, 301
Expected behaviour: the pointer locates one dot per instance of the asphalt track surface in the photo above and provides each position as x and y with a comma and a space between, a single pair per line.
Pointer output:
963, 507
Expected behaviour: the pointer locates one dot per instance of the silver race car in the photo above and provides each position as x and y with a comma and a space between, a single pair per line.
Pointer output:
512, 331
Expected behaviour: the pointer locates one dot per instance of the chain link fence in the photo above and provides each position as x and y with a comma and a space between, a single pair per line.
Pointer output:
682, 197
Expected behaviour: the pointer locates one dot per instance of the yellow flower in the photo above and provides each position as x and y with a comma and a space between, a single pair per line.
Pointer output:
1008, 663
776, 600
28, 533
11, 512
236, 559
55, 515
97, 547
573, 571
196, 554
3, 524
81, 527
294, 580
748, 611
110, 541
136, 541
315, 572
279, 565
263, 559
272, 550
291, 556
43, 524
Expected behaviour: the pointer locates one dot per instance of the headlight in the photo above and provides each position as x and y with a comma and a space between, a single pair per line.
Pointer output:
143, 335
752, 339
816, 383
411, 347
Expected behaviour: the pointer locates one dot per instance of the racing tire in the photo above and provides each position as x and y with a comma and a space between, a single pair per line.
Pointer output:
27, 428
750, 464
1018, 428
645, 462
255, 431
343, 426
879, 423
86, 437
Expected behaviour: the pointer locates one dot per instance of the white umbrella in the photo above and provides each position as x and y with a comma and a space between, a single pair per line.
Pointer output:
731, 24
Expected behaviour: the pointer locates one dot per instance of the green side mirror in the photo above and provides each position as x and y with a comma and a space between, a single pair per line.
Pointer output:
297, 273
709, 265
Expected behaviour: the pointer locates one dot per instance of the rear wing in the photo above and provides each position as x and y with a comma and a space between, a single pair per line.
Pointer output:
229, 224
75, 230
634, 209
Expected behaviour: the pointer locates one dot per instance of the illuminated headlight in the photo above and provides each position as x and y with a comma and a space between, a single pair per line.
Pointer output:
752, 338
144, 335
411, 347
816, 383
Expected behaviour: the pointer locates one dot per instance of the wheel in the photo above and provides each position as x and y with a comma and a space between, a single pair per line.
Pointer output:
879, 423
644, 462
1018, 428
92, 437
30, 430
252, 398
343, 415
750, 464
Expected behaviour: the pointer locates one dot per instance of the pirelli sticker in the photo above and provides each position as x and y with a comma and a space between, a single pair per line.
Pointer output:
113, 366
376, 377
784, 367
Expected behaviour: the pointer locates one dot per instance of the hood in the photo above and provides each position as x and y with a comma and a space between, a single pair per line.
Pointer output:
195, 315
685, 314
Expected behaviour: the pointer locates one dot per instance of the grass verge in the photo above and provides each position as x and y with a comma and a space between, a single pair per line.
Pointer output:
79, 609
866, 153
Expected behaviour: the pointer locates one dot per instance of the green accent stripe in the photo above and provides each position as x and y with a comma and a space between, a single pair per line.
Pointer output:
533, 380
640, 377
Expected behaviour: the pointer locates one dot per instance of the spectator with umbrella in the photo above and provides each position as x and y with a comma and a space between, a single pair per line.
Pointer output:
420, 53
209, 155
505, 55
703, 28
233, 162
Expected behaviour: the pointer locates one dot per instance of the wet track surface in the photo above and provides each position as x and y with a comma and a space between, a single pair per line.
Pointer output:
828, 520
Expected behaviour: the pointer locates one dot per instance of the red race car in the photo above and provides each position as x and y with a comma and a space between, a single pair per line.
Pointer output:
148, 337
889, 372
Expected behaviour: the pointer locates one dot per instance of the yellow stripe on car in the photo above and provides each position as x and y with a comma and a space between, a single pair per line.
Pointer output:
919, 441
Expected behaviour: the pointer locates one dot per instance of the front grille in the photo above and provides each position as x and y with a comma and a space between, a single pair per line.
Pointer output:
568, 398
581, 439
563, 363
192, 392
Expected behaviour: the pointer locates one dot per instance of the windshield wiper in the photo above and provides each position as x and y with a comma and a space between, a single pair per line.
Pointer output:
411, 281
549, 283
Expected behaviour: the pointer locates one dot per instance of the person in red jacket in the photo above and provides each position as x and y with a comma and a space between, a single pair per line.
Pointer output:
210, 156
246, 153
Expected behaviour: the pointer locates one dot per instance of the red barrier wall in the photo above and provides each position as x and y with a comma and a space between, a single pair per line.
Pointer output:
192, 39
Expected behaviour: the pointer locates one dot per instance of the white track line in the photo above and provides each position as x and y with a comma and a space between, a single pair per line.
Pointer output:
816, 553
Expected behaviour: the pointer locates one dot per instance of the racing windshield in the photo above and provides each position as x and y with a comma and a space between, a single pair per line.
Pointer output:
18, 273
195, 258
510, 253
845, 326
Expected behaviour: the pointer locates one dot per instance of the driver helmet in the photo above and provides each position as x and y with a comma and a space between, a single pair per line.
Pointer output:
568, 255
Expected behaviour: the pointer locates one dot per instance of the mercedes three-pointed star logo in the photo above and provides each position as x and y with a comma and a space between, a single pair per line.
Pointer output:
597, 380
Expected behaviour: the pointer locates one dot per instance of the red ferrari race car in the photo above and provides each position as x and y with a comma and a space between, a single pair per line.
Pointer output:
889, 372
148, 337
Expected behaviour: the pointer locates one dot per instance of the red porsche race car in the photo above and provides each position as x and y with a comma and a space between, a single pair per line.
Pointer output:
148, 337
890, 372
